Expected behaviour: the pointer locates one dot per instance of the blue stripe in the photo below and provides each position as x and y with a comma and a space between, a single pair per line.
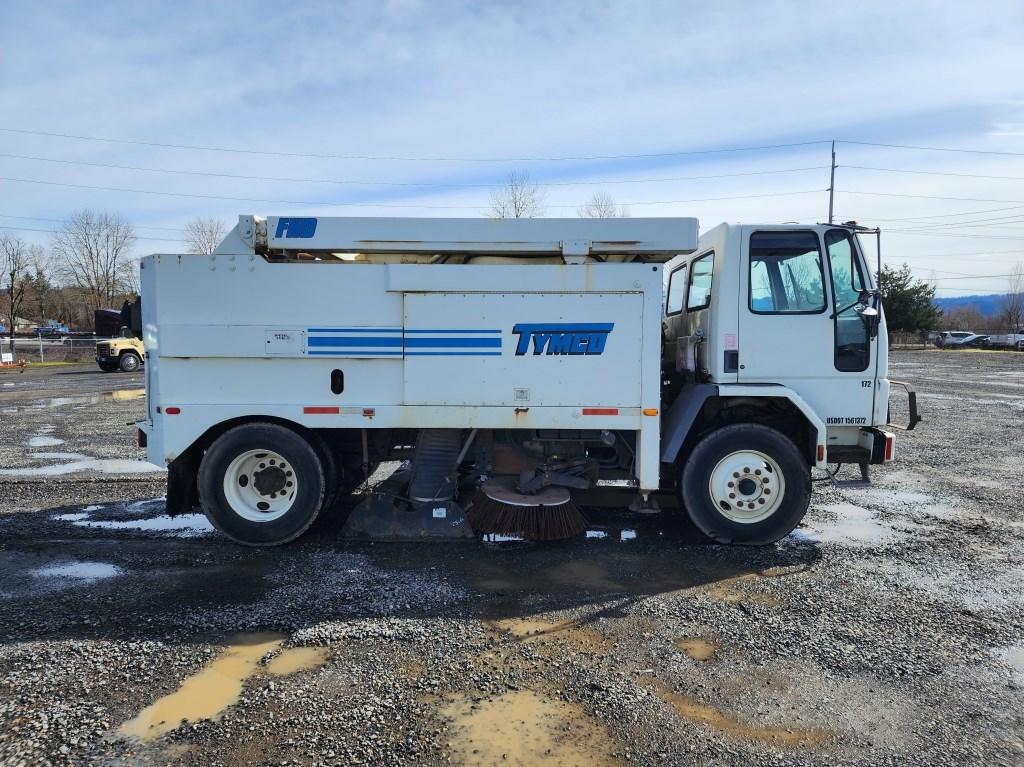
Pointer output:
453, 354
452, 342
354, 330
409, 330
378, 341
356, 353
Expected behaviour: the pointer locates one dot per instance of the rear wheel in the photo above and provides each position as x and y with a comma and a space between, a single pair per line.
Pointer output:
261, 484
746, 484
129, 362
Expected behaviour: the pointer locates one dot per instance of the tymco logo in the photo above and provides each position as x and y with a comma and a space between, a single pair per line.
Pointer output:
295, 227
562, 338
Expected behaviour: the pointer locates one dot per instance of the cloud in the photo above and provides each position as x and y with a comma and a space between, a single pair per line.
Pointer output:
451, 80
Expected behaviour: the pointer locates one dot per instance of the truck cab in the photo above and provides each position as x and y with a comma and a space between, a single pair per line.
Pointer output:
778, 327
125, 353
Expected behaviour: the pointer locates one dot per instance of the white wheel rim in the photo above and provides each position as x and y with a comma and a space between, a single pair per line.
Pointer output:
747, 486
260, 485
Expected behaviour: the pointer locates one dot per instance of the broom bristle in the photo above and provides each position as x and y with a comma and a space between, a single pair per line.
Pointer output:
534, 523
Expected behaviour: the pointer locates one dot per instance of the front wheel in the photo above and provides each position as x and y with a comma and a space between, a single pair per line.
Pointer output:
746, 484
129, 362
261, 484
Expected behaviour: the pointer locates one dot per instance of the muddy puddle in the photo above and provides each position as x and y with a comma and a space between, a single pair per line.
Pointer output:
540, 630
42, 440
525, 729
218, 685
117, 395
725, 723
101, 465
696, 648
85, 572
296, 659
853, 526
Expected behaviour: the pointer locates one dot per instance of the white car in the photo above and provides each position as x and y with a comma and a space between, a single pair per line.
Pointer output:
957, 338
1006, 341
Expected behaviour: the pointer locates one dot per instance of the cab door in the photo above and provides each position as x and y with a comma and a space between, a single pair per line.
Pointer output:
789, 333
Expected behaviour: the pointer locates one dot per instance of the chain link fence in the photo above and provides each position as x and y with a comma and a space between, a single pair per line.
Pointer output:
43, 349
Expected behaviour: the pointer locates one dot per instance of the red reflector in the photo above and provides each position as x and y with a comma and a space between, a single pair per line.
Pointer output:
172, 410
600, 411
369, 412
321, 410
889, 441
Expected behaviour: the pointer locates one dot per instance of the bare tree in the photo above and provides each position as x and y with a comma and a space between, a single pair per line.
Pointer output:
204, 234
92, 250
520, 197
44, 292
602, 205
1013, 301
14, 261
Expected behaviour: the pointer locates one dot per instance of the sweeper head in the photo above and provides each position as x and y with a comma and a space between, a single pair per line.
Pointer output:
547, 515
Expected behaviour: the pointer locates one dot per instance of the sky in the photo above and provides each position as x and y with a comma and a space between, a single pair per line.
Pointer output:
723, 111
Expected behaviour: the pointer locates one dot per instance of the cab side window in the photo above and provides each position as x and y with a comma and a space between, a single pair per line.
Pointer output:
786, 275
701, 273
676, 291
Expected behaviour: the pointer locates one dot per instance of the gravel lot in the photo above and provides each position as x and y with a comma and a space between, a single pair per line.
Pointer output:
889, 629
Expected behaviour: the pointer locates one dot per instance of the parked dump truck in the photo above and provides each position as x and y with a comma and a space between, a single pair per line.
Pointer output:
125, 350
518, 369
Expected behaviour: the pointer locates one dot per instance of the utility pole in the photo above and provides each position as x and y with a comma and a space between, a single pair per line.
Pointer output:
832, 182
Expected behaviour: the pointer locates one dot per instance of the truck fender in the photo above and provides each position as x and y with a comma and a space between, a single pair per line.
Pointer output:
680, 417
684, 411
778, 390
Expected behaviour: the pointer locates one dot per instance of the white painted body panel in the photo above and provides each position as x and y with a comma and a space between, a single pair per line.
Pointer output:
234, 335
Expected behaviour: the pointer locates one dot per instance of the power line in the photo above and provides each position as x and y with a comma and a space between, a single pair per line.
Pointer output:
929, 196
579, 158
61, 221
930, 148
919, 233
943, 271
976, 277
948, 215
372, 205
974, 253
413, 184
932, 173
54, 231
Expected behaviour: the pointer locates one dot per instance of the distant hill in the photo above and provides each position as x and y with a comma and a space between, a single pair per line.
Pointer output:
987, 306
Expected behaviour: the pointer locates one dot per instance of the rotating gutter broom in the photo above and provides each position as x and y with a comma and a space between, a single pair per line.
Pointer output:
547, 515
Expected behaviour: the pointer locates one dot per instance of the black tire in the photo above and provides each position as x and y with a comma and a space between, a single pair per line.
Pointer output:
107, 367
129, 362
302, 457
716, 446
332, 476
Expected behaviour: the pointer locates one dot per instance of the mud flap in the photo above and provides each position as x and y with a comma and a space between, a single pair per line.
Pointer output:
182, 488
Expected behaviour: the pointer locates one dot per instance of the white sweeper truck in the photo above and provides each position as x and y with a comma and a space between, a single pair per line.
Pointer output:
513, 370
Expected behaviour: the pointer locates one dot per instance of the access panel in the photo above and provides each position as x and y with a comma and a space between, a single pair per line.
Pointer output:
526, 350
